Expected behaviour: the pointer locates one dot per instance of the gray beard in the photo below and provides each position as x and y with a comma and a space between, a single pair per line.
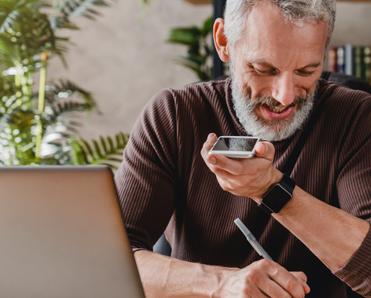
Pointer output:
253, 125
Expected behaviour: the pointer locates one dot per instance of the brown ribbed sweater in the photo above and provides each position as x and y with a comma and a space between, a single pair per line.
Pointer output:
163, 178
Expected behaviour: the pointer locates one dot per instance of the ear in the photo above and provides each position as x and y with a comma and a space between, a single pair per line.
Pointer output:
220, 40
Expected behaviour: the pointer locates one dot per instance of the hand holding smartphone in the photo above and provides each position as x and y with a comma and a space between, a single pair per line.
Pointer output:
235, 146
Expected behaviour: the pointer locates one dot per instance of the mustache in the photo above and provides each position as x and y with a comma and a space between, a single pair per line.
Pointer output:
270, 102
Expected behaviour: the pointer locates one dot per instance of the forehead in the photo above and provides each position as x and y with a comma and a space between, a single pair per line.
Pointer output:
270, 36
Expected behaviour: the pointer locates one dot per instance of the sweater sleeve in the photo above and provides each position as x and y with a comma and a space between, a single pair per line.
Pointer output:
354, 193
146, 179
357, 271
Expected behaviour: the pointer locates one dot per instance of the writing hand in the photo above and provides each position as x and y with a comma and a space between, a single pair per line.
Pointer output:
263, 278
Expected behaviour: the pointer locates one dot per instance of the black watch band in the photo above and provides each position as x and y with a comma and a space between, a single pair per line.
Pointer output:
278, 195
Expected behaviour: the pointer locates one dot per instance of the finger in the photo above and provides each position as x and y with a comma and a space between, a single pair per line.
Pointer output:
210, 141
265, 150
234, 167
239, 167
303, 278
220, 161
225, 176
213, 161
300, 275
258, 275
285, 279
224, 180
271, 289
252, 291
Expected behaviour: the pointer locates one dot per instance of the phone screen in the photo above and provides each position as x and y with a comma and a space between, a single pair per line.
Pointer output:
235, 144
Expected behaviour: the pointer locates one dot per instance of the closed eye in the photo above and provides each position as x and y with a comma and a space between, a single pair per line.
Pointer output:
270, 71
308, 70
304, 73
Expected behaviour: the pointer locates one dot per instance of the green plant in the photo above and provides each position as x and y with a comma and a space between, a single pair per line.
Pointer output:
199, 49
106, 150
36, 115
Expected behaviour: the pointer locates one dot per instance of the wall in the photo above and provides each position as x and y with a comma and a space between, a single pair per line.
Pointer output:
353, 23
123, 57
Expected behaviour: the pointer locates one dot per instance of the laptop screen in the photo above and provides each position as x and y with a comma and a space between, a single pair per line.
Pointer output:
62, 235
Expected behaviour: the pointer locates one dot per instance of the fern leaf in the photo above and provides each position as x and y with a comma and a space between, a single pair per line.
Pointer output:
62, 108
186, 36
104, 150
66, 90
72, 8
28, 31
197, 42
98, 153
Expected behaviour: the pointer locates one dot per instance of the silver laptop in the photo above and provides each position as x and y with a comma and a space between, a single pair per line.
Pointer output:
62, 235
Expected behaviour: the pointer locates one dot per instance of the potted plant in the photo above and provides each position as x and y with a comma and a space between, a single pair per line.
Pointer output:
36, 115
197, 40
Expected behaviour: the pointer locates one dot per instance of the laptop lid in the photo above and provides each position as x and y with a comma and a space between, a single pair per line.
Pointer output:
62, 235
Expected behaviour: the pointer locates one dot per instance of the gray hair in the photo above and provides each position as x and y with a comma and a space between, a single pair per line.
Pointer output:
236, 13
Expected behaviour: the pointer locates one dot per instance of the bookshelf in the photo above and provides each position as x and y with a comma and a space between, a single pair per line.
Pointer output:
352, 60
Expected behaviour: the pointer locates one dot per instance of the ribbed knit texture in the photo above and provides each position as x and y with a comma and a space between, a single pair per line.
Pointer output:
163, 182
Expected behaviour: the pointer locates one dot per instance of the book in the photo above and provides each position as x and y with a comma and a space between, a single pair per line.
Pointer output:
367, 64
358, 62
331, 59
348, 59
340, 61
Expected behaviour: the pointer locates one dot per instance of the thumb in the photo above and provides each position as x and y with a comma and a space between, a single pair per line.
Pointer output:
265, 150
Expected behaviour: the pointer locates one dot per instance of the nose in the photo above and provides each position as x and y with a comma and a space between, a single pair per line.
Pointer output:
284, 89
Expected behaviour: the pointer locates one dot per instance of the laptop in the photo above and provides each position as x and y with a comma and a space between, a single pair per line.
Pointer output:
62, 235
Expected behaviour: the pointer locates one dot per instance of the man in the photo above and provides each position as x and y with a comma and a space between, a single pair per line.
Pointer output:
318, 133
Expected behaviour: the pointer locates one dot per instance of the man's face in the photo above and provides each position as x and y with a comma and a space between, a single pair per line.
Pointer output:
275, 67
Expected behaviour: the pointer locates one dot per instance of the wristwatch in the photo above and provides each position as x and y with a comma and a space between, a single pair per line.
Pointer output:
278, 195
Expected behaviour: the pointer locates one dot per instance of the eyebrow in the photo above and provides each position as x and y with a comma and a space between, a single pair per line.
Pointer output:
267, 64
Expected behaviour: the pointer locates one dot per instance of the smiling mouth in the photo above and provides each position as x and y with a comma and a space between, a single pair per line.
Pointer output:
278, 109
277, 113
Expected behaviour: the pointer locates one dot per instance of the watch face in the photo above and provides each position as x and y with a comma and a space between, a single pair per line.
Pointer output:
278, 195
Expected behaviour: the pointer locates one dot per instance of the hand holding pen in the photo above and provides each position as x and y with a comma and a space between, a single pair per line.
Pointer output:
263, 278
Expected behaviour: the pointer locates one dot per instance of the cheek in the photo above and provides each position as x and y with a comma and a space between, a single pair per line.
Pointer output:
307, 86
259, 86
243, 82
246, 90
248, 84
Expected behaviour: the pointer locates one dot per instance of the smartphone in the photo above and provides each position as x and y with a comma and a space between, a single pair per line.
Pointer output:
235, 146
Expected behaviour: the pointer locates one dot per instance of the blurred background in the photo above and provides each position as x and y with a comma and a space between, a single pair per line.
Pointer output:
123, 58
75, 74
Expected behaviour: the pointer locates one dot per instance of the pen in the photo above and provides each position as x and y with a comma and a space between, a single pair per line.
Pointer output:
250, 237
